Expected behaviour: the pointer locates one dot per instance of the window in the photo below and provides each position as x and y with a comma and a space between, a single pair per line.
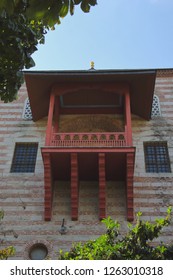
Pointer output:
38, 252
156, 157
24, 158
155, 107
27, 114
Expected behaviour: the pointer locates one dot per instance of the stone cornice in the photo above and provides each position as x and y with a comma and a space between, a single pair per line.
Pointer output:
164, 73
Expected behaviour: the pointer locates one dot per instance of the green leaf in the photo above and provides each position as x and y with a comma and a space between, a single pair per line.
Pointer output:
85, 6
3, 13
37, 9
169, 210
8, 5
29, 62
92, 2
64, 9
1, 214
77, 2
71, 7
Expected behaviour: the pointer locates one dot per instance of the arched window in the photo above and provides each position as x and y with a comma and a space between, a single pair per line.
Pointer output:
38, 252
155, 107
27, 114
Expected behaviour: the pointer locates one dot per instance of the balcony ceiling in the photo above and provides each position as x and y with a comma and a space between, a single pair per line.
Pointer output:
141, 84
88, 166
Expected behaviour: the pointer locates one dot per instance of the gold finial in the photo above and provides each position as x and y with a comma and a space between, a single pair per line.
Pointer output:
92, 64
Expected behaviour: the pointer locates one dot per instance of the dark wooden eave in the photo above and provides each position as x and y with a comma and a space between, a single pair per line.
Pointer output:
141, 83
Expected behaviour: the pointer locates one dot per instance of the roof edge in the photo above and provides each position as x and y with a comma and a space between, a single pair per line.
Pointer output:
91, 71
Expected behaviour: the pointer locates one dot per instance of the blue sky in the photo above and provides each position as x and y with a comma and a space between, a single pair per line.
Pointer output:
116, 34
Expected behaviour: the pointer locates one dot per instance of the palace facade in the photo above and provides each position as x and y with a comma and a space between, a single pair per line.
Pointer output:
78, 146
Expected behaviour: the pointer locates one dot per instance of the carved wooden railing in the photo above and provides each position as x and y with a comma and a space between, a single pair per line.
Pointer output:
103, 139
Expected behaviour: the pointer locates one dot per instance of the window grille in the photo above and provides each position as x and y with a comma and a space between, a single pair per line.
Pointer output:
156, 157
155, 107
27, 114
24, 158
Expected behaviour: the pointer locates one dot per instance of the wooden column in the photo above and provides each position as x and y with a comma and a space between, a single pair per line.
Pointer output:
50, 119
56, 115
129, 185
48, 195
128, 118
74, 187
102, 186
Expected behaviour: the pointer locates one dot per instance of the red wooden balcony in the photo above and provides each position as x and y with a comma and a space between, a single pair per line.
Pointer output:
104, 139
88, 151
75, 155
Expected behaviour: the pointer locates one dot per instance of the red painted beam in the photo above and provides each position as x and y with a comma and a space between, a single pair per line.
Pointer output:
88, 150
47, 187
74, 111
56, 114
128, 118
102, 186
116, 87
129, 185
50, 120
74, 187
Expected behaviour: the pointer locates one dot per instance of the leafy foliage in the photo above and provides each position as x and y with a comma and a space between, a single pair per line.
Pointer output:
50, 12
1, 215
135, 245
24, 24
9, 251
18, 40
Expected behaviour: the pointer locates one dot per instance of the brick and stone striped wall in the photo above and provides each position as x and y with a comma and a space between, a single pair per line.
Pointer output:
22, 195
154, 193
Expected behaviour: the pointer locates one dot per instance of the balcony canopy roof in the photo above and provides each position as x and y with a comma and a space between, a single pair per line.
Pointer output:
141, 84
